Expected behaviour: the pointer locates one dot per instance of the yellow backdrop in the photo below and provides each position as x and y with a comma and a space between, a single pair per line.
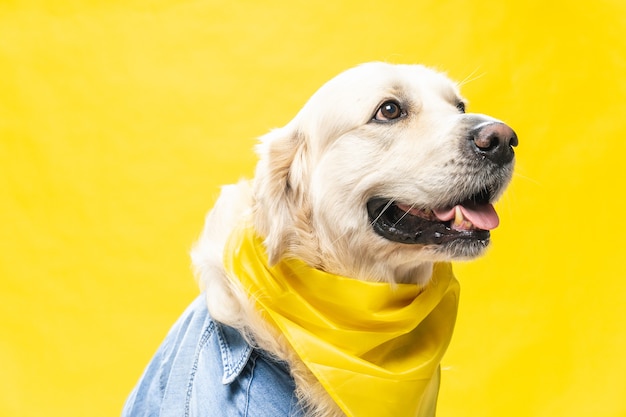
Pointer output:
119, 120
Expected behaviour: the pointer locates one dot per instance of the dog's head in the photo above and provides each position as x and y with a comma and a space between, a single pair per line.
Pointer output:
381, 173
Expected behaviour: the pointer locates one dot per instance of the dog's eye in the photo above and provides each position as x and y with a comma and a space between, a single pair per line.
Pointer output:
389, 110
460, 106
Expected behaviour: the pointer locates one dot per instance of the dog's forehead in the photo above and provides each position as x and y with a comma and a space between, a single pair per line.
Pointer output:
351, 99
369, 83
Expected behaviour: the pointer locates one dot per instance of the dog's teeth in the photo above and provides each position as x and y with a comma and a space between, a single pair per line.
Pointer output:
458, 216
460, 222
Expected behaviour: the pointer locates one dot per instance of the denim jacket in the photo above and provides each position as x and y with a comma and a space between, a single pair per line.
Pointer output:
206, 369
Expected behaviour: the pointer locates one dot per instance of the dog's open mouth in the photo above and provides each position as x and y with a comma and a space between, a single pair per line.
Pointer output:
469, 220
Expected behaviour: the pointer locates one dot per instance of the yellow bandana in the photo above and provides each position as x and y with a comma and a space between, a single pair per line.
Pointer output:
375, 347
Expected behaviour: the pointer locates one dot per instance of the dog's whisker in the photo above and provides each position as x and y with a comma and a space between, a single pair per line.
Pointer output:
404, 215
471, 77
389, 203
526, 178
339, 237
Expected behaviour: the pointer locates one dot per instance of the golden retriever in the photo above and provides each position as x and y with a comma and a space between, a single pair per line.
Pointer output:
381, 174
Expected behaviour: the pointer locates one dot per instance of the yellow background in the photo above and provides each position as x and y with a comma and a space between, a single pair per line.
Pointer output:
120, 119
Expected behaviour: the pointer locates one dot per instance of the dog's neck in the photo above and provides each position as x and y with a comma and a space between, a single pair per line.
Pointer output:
420, 274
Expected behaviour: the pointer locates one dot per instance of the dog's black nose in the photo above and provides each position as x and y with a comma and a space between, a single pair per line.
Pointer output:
495, 141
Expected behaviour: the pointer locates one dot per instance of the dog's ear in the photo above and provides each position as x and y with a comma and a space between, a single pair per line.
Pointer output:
280, 206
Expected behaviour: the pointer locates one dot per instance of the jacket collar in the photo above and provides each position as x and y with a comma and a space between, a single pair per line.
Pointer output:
235, 352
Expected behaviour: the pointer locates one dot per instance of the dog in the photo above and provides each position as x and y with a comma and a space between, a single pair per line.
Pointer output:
382, 177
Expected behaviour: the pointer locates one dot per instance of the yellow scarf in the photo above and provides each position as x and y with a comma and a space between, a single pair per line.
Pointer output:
375, 347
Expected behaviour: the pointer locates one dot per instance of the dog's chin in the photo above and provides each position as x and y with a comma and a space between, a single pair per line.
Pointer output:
421, 227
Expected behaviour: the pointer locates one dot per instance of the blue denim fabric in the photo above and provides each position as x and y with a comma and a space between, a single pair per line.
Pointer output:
206, 369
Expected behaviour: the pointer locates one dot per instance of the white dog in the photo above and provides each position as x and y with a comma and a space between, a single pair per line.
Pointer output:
381, 178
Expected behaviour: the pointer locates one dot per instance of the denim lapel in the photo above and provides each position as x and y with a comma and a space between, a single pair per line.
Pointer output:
235, 351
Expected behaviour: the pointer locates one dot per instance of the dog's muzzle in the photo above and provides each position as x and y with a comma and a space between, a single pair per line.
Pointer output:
460, 226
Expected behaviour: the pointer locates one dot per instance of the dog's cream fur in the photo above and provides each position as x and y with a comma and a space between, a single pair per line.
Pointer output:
314, 178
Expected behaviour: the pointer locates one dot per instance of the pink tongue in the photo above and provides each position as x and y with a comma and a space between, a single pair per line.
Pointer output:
482, 216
